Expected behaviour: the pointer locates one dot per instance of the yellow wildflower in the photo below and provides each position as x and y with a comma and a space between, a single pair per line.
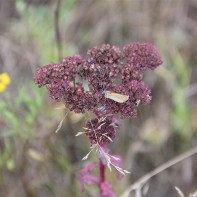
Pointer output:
2, 87
4, 80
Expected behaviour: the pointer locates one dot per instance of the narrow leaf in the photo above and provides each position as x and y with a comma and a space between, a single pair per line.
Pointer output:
100, 126
79, 133
116, 158
127, 172
108, 137
60, 124
84, 158
61, 107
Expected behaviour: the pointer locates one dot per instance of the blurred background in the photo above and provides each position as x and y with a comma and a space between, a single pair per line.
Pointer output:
37, 162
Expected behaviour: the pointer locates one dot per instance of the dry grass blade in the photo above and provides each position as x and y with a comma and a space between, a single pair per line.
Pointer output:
107, 137
100, 126
86, 157
179, 192
79, 133
194, 194
140, 183
61, 107
61, 122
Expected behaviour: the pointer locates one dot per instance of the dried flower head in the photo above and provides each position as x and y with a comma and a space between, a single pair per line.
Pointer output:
100, 131
105, 69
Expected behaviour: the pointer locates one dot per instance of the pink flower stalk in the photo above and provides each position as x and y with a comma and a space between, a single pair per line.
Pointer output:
106, 69
105, 188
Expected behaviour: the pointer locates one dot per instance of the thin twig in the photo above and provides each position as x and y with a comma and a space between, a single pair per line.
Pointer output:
57, 31
140, 183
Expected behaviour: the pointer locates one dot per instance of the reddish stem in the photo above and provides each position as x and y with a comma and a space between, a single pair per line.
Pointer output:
102, 173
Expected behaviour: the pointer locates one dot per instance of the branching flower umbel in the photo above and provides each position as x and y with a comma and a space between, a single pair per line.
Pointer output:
114, 80
105, 69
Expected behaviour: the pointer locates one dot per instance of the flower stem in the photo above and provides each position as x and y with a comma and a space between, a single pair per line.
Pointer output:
102, 173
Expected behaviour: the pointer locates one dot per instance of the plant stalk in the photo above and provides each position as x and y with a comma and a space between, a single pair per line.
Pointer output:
102, 174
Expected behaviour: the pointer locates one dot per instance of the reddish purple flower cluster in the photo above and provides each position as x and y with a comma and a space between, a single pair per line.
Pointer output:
100, 131
142, 56
102, 67
106, 69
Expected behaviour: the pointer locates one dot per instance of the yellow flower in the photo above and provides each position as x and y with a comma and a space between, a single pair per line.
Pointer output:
4, 78
2, 87
4, 81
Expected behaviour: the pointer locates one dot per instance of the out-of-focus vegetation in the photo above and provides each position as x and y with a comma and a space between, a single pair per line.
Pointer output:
37, 162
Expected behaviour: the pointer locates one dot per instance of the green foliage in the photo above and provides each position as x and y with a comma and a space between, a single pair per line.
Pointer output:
180, 69
180, 115
40, 24
5, 154
20, 116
